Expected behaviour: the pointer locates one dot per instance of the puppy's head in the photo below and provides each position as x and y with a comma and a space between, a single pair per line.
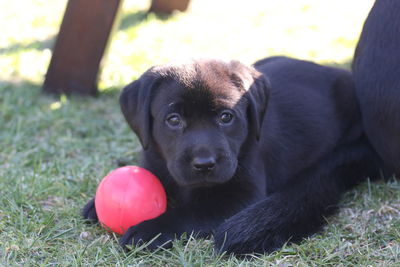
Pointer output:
197, 116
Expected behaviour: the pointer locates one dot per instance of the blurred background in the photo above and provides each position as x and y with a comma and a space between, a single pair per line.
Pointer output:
323, 31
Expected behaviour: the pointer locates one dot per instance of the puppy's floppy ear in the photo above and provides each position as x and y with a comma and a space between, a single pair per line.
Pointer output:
258, 96
135, 101
257, 93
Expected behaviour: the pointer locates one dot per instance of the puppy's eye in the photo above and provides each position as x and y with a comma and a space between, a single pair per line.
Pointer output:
226, 117
173, 120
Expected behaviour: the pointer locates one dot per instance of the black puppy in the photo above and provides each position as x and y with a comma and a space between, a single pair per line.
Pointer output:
255, 156
376, 70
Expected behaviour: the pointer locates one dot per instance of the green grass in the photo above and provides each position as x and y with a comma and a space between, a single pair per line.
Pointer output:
54, 151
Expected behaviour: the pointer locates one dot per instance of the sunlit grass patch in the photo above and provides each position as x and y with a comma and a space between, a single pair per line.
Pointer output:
324, 31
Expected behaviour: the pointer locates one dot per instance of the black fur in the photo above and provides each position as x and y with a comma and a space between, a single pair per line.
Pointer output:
269, 175
376, 70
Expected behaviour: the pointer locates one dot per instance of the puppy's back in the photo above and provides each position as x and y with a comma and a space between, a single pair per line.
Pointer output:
304, 87
312, 109
376, 70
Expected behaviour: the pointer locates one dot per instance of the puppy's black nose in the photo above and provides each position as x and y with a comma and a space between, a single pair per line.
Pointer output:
203, 164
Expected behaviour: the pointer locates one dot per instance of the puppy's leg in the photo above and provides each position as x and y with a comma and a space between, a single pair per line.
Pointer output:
298, 210
199, 218
89, 212
163, 229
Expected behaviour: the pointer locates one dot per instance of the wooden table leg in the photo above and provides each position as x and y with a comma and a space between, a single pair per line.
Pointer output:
80, 45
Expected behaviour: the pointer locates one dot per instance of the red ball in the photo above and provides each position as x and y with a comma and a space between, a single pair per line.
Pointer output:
128, 196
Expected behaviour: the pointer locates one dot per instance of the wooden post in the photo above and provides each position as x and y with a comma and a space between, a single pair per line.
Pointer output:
80, 45
168, 6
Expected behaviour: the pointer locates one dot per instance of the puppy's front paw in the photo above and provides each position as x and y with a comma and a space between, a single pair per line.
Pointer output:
89, 212
145, 232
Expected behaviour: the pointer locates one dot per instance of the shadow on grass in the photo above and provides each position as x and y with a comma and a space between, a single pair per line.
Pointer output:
35, 45
33, 89
133, 19
16, 84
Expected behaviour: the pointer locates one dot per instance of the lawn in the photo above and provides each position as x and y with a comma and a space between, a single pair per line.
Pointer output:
55, 150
